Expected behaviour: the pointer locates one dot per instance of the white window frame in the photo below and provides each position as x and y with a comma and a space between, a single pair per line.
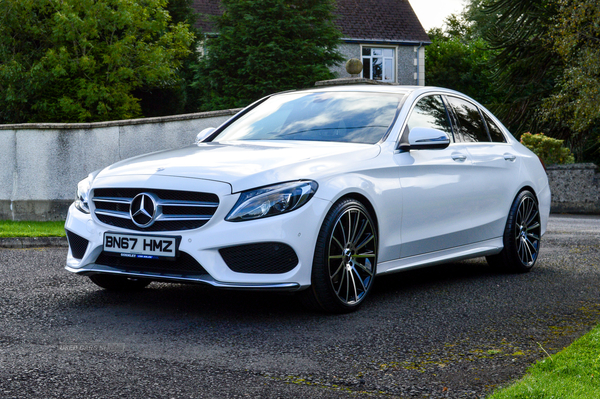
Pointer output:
394, 59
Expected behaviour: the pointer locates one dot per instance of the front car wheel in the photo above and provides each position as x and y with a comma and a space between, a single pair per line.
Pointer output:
345, 260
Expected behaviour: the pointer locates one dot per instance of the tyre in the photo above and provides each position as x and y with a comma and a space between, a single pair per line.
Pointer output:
345, 259
521, 236
119, 283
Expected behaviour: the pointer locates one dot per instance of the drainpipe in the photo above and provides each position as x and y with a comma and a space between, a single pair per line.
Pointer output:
418, 58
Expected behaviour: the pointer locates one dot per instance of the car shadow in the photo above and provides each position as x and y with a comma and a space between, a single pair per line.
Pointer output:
204, 301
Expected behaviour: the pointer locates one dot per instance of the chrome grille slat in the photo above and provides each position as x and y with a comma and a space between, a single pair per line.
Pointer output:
114, 199
177, 209
189, 203
183, 217
117, 214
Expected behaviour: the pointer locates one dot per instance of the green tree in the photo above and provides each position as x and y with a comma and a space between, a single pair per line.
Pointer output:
459, 60
576, 38
80, 60
265, 46
526, 66
181, 97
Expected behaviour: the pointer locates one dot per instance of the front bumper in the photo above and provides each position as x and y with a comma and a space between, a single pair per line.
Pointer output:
297, 229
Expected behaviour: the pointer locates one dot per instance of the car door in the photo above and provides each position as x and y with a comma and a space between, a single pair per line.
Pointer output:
495, 167
434, 184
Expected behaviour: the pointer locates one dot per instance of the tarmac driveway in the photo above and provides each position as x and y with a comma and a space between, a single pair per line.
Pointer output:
453, 331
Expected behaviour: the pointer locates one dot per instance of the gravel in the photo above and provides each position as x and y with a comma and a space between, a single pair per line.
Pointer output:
458, 330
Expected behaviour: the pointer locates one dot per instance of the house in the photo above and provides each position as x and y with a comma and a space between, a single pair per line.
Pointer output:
385, 35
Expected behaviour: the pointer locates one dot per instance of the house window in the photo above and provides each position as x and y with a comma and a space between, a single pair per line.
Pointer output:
378, 64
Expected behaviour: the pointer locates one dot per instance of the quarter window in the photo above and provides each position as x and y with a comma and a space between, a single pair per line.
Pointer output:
471, 128
378, 64
495, 132
430, 112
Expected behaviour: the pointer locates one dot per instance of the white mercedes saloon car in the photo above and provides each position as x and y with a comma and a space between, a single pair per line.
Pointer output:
317, 191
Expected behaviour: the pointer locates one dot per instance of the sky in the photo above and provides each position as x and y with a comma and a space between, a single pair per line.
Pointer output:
432, 13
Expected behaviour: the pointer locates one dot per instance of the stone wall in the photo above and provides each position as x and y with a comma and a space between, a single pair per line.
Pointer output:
575, 188
40, 164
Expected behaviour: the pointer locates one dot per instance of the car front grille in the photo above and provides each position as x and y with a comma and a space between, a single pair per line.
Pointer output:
184, 264
260, 258
177, 210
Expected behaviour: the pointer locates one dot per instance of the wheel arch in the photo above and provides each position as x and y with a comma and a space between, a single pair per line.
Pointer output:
365, 201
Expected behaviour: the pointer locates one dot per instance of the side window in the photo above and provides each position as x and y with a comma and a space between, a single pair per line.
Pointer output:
430, 112
471, 126
495, 131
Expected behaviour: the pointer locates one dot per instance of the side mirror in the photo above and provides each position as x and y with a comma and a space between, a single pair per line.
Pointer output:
204, 134
425, 138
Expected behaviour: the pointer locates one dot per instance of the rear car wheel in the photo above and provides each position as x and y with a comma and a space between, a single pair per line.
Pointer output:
522, 236
345, 259
119, 283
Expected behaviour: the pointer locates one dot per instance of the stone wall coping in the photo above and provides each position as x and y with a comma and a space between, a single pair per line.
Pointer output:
126, 122
572, 166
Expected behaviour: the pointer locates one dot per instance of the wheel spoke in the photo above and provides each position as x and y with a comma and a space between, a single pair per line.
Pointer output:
359, 279
530, 245
365, 223
365, 242
364, 268
532, 218
351, 276
535, 226
341, 282
353, 231
342, 228
347, 285
528, 254
338, 243
337, 271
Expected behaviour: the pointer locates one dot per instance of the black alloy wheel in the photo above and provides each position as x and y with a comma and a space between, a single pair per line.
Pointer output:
522, 236
345, 259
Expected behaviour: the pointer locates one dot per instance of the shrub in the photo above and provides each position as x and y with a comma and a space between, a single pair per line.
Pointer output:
551, 151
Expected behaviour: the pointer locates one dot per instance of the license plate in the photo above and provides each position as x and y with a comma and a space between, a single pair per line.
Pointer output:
137, 246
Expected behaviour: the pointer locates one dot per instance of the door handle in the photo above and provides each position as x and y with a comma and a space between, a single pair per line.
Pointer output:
459, 157
510, 157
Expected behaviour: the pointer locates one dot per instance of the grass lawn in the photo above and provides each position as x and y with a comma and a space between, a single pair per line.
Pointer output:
9, 228
572, 373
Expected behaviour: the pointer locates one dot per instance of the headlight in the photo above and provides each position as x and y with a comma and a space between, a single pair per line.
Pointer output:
272, 200
83, 194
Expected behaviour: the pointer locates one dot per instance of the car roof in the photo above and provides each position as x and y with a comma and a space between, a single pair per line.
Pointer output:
376, 88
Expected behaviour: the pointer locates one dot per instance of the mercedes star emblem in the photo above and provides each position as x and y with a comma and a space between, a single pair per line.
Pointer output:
143, 210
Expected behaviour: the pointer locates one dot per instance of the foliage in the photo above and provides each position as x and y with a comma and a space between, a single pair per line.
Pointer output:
572, 373
265, 46
458, 61
80, 60
181, 97
576, 38
525, 65
551, 151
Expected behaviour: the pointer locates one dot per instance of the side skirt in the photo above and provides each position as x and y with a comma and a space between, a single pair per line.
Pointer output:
483, 248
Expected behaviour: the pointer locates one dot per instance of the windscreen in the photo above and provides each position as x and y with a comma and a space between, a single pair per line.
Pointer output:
352, 117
